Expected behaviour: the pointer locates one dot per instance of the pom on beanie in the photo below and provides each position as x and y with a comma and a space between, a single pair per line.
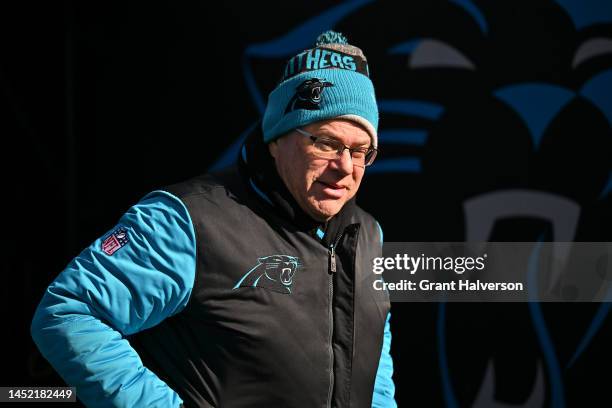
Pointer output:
330, 37
331, 80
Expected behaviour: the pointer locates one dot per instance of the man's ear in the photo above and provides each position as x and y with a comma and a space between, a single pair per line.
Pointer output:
273, 148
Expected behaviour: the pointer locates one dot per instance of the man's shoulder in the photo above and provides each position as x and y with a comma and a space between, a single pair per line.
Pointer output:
364, 217
206, 184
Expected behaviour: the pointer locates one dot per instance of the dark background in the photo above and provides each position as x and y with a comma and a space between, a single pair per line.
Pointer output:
102, 102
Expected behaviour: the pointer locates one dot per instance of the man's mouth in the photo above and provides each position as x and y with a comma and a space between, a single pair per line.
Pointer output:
332, 185
332, 189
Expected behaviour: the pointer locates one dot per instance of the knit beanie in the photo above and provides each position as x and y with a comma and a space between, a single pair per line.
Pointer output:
331, 80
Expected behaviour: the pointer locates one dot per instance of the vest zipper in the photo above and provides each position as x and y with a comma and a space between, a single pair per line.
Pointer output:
332, 271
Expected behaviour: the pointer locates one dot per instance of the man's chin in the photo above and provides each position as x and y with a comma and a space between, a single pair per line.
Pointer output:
323, 210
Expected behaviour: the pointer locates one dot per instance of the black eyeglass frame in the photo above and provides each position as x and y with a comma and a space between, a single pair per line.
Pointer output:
370, 152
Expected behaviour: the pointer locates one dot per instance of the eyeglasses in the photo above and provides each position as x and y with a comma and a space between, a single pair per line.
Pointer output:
327, 148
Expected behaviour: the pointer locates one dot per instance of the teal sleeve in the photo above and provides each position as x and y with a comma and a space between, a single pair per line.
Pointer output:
384, 388
82, 320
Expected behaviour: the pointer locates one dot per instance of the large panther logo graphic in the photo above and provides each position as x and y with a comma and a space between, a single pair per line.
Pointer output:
274, 272
496, 122
308, 95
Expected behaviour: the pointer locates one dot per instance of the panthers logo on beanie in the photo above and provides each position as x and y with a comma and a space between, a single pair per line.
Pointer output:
274, 272
308, 95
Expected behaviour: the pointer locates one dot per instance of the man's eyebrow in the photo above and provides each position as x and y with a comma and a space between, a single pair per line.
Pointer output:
330, 136
326, 135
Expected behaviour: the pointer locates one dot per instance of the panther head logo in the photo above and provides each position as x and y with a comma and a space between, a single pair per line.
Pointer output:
308, 95
274, 272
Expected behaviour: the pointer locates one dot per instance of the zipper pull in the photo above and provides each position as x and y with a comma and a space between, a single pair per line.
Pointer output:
332, 258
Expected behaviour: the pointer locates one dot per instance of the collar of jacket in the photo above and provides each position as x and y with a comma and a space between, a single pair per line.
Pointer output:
258, 171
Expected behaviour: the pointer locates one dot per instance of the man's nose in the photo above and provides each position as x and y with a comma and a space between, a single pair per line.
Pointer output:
344, 162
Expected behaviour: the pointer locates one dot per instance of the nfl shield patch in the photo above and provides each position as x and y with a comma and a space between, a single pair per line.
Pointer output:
115, 241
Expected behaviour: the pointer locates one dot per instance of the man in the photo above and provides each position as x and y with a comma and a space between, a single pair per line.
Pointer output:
247, 288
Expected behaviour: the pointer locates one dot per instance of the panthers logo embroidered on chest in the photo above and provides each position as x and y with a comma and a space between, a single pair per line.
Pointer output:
274, 272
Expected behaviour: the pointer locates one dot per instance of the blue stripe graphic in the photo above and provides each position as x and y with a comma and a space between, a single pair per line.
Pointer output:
411, 107
395, 166
402, 136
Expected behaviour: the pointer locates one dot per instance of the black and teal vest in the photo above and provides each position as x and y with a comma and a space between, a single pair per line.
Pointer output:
275, 319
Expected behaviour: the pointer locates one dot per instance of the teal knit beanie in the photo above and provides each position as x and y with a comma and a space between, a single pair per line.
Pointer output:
331, 80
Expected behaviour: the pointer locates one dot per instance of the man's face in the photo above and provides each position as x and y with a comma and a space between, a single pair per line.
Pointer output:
320, 186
